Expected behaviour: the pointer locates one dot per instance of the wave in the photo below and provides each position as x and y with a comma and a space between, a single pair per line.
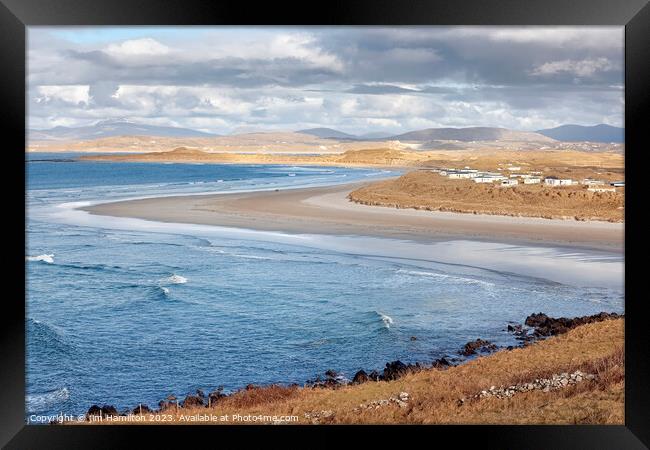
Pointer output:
238, 255
175, 279
47, 258
160, 293
386, 319
447, 277
40, 402
45, 337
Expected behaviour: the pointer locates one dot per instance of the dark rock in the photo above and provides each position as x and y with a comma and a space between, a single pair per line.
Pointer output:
441, 363
360, 377
398, 369
164, 405
331, 374
94, 410
144, 409
192, 400
516, 329
394, 370
109, 411
413, 338
548, 326
216, 395
374, 375
478, 345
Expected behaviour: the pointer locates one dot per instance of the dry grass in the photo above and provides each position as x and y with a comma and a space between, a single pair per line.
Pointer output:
594, 348
431, 191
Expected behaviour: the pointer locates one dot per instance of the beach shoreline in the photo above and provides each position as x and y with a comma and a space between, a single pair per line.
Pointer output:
327, 210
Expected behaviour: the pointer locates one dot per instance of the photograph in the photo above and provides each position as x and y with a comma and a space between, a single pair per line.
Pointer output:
325, 225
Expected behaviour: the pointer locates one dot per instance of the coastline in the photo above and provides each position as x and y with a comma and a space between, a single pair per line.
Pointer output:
566, 371
326, 210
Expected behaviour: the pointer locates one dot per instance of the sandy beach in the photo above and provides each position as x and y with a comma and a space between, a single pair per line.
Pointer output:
327, 210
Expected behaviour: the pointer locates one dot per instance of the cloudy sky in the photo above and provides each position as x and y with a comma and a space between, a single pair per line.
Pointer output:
355, 79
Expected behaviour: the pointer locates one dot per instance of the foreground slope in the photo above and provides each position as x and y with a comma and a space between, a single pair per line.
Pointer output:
593, 353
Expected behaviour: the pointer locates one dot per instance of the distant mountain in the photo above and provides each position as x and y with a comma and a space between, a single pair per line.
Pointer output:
470, 134
112, 128
596, 133
327, 133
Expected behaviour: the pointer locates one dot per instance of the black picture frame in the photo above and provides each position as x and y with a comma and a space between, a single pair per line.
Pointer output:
16, 15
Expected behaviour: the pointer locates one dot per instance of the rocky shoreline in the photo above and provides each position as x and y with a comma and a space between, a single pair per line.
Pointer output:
536, 327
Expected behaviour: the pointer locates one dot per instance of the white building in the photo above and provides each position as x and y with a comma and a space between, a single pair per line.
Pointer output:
532, 180
552, 181
482, 179
592, 182
509, 183
514, 168
463, 174
617, 183
602, 189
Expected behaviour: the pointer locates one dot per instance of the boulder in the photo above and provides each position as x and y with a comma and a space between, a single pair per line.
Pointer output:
94, 410
360, 377
164, 405
441, 363
109, 410
548, 326
374, 375
478, 345
398, 369
144, 409
216, 395
192, 400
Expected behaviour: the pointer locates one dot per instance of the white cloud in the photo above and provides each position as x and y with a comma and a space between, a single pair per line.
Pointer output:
302, 46
222, 78
73, 94
602, 37
137, 47
582, 68
389, 105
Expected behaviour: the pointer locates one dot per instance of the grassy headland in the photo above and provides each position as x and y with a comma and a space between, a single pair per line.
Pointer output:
431, 191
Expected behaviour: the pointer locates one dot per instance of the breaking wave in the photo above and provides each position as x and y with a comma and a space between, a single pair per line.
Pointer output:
175, 279
387, 320
47, 258
40, 402
450, 278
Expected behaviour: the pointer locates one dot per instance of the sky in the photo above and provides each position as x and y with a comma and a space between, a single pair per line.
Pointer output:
355, 79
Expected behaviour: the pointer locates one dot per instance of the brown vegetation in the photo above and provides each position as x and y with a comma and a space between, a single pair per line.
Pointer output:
431, 191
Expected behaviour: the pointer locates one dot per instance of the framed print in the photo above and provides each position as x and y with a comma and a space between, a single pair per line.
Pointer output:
366, 214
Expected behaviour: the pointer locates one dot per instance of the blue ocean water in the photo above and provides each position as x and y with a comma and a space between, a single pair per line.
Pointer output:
123, 312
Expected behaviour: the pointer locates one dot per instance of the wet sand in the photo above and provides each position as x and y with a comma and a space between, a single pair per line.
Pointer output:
326, 210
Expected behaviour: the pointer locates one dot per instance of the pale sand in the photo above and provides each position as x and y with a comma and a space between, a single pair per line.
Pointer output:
327, 211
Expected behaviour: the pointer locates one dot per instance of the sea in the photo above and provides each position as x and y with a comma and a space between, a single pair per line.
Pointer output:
125, 311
